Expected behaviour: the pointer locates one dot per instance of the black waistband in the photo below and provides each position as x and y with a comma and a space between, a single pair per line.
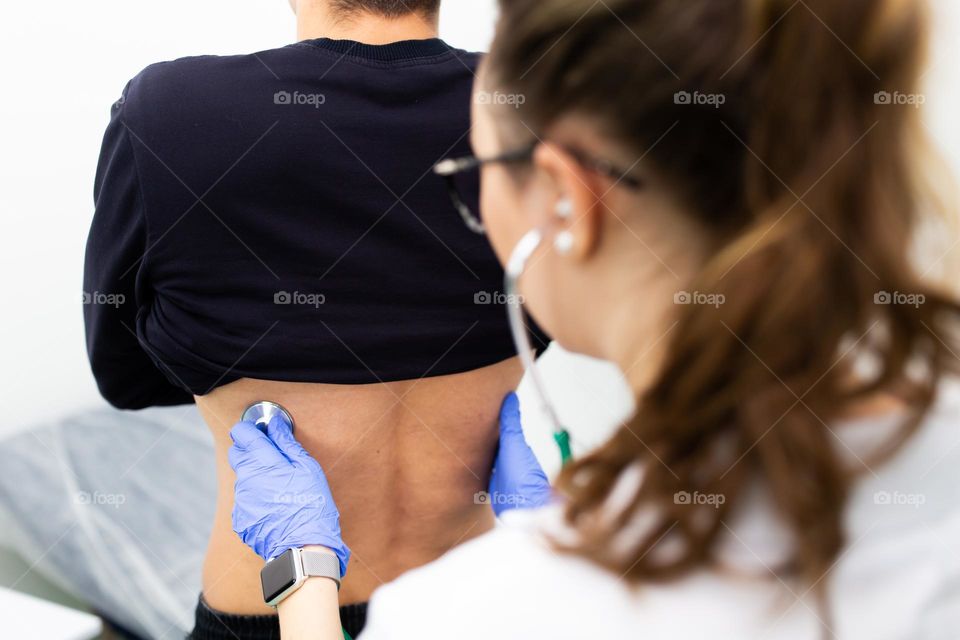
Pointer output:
217, 625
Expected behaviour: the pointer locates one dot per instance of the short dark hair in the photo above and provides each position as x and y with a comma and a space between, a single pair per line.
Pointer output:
388, 8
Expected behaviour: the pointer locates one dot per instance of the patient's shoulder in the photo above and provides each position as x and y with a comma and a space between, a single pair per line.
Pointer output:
192, 88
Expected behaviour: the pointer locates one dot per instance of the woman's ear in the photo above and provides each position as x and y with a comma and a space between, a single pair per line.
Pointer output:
577, 204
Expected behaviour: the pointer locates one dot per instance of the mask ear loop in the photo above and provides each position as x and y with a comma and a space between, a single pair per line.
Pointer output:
515, 267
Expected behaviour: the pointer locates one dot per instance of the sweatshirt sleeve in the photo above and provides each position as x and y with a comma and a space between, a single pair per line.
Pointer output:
114, 284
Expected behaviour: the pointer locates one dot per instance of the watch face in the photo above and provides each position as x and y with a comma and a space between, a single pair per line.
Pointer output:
278, 575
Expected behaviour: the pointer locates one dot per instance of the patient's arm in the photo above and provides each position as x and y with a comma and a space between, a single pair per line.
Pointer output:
404, 461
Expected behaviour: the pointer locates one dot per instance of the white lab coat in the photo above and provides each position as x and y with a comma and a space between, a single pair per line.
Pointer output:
898, 578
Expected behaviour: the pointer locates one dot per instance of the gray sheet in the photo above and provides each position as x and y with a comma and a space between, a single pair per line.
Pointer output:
115, 508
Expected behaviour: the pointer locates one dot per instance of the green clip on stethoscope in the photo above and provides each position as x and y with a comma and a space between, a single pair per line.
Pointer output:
515, 267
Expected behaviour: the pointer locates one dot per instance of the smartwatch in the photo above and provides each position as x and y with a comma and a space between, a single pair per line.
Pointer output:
286, 573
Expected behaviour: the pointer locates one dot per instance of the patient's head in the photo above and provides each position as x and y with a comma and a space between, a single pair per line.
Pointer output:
383, 8
741, 183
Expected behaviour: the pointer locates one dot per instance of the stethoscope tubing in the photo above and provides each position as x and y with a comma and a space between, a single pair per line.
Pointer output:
516, 265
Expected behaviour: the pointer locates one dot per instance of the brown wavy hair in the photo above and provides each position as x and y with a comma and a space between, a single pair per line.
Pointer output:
794, 138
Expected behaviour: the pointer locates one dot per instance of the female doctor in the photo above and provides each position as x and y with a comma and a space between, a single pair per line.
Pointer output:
725, 192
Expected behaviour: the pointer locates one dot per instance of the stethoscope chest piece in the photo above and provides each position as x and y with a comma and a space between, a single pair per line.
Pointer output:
260, 414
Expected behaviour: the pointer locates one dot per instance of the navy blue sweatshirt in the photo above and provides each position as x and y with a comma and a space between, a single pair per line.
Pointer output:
275, 216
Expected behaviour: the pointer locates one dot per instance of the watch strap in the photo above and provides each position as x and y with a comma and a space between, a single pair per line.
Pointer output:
319, 564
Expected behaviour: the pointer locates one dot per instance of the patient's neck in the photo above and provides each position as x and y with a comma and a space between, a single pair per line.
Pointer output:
316, 20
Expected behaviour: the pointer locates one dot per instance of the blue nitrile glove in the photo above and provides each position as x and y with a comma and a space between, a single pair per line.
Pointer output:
282, 499
518, 480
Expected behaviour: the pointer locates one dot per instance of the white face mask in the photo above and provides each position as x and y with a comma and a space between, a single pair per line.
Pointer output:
521, 338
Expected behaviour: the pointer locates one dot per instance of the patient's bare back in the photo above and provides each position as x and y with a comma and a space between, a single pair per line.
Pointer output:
404, 461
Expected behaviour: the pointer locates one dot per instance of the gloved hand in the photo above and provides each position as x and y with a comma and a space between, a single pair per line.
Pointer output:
518, 480
282, 499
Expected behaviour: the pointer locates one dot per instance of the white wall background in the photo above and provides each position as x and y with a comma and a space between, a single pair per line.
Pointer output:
64, 62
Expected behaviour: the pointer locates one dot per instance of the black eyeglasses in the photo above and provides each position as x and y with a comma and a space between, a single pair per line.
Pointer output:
463, 176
